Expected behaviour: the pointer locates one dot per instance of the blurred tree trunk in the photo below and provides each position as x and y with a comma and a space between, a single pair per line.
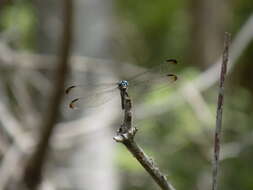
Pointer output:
208, 23
90, 162
49, 24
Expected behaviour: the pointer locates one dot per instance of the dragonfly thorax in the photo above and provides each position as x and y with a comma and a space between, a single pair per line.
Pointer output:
123, 84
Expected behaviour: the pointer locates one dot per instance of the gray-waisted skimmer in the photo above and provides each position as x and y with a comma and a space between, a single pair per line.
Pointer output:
103, 92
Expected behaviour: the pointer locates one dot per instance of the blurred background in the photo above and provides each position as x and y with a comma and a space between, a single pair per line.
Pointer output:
111, 40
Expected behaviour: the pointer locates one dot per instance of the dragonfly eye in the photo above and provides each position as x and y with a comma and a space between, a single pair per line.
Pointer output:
123, 83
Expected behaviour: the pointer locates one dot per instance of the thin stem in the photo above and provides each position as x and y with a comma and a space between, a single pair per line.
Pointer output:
217, 135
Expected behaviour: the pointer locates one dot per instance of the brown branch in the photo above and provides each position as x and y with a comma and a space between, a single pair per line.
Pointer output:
33, 171
217, 135
126, 135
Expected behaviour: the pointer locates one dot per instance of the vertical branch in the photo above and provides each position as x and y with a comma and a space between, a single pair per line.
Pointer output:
126, 134
33, 171
217, 135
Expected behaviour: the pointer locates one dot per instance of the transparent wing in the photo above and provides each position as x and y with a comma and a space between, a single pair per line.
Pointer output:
161, 84
102, 93
84, 88
162, 73
90, 99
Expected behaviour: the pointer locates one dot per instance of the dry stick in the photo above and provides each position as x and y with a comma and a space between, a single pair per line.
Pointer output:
126, 135
217, 135
33, 171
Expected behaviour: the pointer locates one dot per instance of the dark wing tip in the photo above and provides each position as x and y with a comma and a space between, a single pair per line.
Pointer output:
72, 103
172, 61
69, 89
172, 76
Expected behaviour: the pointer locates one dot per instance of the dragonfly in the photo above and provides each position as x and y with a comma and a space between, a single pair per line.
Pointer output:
103, 92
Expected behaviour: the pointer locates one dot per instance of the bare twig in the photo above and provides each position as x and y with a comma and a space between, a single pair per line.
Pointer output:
33, 171
126, 135
217, 135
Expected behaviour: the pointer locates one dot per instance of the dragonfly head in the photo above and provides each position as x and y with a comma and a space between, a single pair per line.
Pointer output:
123, 84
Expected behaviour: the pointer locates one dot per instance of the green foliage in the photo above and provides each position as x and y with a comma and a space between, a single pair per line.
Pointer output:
177, 140
158, 24
241, 10
127, 162
182, 145
17, 22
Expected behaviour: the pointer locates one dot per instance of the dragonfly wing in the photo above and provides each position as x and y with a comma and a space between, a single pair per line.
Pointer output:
93, 99
153, 82
84, 88
163, 71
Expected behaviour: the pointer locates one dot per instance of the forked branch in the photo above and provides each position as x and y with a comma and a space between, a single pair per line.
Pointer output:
126, 134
